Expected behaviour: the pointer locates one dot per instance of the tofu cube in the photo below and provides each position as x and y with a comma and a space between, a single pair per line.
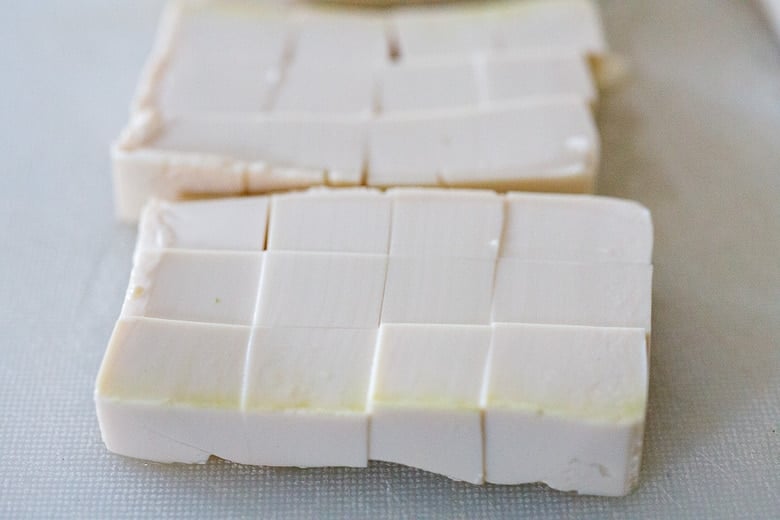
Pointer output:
434, 289
567, 293
336, 290
339, 221
463, 223
207, 286
306, 396
170, 391
565, 406
426, 397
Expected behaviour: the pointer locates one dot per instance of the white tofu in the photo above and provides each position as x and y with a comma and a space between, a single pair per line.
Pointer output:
566, 293
576, 228
428, 85
326, 89
435, 289
223, 59
232, 224
457, 81
306, 394
446, 223
540, 74
208, 286
442, 30
339, 221
170, 391
321, 290
565, 406
333, 37
549, 145
425, 402
565, 24
495, 26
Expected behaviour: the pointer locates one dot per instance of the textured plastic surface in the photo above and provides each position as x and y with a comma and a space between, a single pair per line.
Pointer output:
692, 134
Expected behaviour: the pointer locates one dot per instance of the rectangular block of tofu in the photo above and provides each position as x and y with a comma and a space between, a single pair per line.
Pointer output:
243, 97
485, 337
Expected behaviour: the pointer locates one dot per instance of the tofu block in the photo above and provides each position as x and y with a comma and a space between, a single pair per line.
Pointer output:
495, 26
306, 394
336, 290
565, 406
237, 224
170, 391
579, 228
434, 289
598, 294
425, 402
447, 223
339, 221
223, 58
547, 145
208, 286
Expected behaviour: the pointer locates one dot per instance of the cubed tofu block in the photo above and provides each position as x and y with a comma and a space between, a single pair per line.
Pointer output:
306, 395
336, 290
462, 223
425, 402
237, 224
434, 289
598, 294
565, 406
170, 391
537, 145
581, 228
339, 221
223, 58
209, 286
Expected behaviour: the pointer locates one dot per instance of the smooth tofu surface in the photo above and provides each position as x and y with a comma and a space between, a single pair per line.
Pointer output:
225, 59
567, 293
428, 85
309, 368
180, 363
463, 223
434, 289
336, 290
204, 286
345, 221
427, 384
326, 89
548, 227
576, 396
237, 224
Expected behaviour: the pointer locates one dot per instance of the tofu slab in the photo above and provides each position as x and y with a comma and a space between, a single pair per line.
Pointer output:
242, 97
484, 337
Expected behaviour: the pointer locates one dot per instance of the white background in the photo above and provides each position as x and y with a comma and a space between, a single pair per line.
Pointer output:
694, 134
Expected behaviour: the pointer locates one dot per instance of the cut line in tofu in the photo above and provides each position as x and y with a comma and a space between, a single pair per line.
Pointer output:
426, 327
239, 97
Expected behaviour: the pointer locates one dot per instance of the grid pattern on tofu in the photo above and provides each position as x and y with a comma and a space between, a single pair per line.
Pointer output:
244, 97
449, 330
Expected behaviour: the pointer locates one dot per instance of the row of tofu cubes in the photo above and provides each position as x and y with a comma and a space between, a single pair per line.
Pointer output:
356, 257
507, 403
239, 99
